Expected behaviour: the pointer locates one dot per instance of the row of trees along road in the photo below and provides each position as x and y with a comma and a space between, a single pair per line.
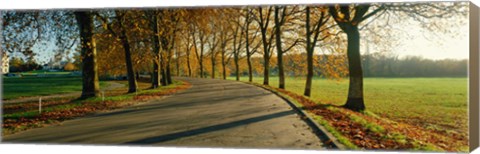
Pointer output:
176, 41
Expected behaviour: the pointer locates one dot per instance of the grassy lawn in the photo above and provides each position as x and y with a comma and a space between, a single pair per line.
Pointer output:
44, 72
33, 86
432, 103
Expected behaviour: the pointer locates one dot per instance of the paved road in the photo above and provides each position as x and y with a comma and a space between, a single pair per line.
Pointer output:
213, 113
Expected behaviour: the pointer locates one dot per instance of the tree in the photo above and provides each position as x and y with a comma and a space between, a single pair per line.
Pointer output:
237, 44
225, 32
349, 17
69, 67
170, 20
153, 19
213, 40
213, 55
249, 40
342, 14
199, 56
263, 20
312, 36
120, 20
16, 64
189, 45
178, 54
280, 19
132, 82
90, 87
77, 59
199, 22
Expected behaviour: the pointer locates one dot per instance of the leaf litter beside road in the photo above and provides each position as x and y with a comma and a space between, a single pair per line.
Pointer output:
18, 118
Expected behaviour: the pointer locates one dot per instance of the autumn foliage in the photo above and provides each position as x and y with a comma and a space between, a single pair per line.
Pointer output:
69, 67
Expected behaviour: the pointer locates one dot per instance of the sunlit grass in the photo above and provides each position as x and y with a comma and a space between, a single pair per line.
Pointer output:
36, 72
433, 103
33, 86
40, 86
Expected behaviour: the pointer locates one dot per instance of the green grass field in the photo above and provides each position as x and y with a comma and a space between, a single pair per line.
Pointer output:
433, 103
33, 86
43, 72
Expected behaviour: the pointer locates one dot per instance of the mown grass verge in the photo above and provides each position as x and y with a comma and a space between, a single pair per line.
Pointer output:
14, 122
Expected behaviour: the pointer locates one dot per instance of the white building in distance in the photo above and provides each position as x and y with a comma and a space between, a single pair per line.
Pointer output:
5, 63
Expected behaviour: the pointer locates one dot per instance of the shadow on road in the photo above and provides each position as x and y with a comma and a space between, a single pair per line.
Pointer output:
174, 136
187, 102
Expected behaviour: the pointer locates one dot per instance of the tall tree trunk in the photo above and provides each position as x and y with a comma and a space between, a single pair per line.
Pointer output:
155, 78
266, 45
201, 67
355, 99
201, 60
250, 69
309, 48
163, 78
213, 65
236, 54
266, 69
281, 74
163, 73
156, 49
132, 82
168, 73
90, 85
224, 71
168, 68
237, 68
169, 62
199, 56
247, 49
188, 64
308, 85
266, 58
278, 39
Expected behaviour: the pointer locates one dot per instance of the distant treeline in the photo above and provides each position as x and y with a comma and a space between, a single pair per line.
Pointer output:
19, 65
374, 65
412, 66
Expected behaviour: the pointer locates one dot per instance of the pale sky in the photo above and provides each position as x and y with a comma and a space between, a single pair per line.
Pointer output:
416, 41
446, 47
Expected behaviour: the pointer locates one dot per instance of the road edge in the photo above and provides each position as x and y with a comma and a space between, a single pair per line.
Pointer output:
321, 132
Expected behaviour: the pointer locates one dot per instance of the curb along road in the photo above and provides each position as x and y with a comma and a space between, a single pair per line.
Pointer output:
323, 134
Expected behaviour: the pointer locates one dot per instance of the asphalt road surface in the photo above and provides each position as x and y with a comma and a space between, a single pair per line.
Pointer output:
212, 113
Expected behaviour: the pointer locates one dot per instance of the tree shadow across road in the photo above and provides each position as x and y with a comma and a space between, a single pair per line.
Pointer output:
188, 133
178, 104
